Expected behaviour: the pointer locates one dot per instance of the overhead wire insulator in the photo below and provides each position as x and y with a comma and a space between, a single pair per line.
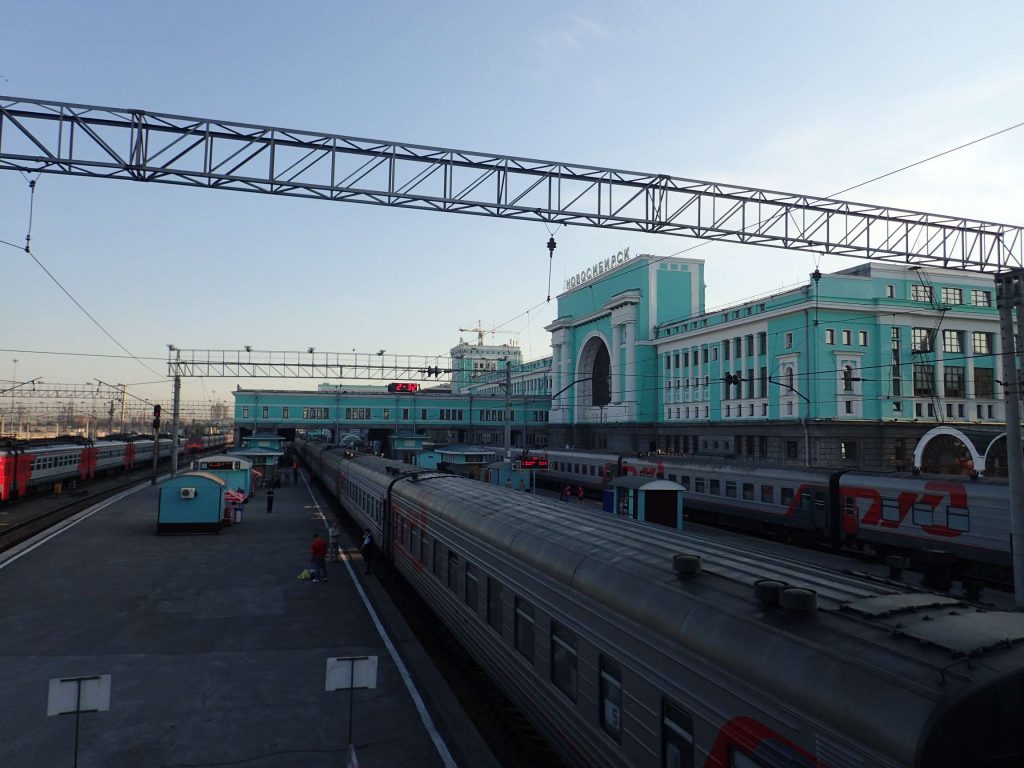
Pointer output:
551, 257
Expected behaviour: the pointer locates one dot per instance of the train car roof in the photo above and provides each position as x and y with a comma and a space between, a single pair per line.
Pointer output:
865, 659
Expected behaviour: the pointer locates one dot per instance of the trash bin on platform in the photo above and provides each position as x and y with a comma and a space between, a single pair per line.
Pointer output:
237, 514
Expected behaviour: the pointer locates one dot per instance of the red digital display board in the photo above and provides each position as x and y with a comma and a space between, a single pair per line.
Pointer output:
534, 462
403, 386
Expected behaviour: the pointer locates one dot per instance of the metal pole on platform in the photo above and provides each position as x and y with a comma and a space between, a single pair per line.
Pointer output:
176, 414
1008, 296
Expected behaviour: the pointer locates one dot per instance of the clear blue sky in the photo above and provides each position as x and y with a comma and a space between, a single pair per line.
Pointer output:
807, 97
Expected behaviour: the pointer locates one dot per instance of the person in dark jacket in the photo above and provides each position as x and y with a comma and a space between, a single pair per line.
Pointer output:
270, 499
366, 548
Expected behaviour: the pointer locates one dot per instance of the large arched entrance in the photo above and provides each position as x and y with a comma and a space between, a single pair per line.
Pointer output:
594, 374
948, 455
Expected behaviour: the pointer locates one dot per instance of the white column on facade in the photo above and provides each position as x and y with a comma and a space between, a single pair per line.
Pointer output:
567, 377
630, 388
614, 360
940, 373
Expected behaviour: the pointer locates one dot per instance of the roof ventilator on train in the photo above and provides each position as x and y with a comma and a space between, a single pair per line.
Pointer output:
686, 566
798, 601
767, 591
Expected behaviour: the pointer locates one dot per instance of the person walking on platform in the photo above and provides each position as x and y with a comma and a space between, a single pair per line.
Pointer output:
318, 558
367, 549
334, 549
270, 499
579, 494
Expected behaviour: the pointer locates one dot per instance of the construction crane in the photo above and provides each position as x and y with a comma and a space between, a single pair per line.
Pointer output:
479, 331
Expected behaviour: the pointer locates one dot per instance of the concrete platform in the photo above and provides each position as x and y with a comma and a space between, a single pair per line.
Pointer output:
217, 652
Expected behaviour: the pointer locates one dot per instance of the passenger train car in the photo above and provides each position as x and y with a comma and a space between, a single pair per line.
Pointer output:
203, 443
629, 644
29, 467
895, 513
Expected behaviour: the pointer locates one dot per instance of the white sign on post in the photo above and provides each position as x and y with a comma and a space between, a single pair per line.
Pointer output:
71, 695
351, 672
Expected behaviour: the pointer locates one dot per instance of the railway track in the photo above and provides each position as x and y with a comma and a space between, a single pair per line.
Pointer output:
21, 520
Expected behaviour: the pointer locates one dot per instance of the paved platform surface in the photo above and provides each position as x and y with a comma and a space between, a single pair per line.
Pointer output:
216, 651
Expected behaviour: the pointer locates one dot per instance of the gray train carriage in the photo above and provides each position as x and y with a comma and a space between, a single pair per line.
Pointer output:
584, 622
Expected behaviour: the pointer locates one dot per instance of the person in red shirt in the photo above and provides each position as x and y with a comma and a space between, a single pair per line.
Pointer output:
318, 558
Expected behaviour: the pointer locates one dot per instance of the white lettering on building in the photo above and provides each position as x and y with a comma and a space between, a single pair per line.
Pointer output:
575, 281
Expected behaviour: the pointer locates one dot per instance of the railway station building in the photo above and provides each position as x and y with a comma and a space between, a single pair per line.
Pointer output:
856, 368
878, 367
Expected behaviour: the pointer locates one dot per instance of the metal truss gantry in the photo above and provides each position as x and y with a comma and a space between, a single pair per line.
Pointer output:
104, 142
276, 364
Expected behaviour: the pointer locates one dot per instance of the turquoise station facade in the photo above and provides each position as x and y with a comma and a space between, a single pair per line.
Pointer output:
873, 367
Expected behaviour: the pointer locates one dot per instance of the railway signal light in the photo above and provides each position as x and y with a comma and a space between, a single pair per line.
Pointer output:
156, 417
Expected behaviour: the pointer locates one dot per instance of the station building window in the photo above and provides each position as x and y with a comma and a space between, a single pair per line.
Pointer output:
921, 292
983, 383
245, 412
982, 343
981, 298
284, 412
266, 411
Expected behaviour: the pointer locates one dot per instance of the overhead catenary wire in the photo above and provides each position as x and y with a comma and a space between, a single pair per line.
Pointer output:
840, 192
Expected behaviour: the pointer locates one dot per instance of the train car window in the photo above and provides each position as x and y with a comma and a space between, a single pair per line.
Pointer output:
787, 497
684, 480
414, 541
730, 488
524, 629
453, 571
767, 494
698, 485
958, 518
715, 487
748, 491
402, 539
676, 737
426, 549
563, 660
611, 699
494, 604
471, 596
438, 560
924, 514
575, 469
890, 510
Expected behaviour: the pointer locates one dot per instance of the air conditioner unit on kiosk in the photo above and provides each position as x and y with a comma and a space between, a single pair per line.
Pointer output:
188, 493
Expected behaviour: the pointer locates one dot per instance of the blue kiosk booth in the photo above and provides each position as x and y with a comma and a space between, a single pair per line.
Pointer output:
647, 499
191, 503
